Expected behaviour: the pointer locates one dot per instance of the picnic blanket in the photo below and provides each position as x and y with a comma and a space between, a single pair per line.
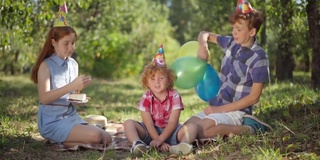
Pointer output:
119, 141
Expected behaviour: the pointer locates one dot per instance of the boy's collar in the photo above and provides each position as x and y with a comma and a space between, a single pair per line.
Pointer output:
255, 41
152, 94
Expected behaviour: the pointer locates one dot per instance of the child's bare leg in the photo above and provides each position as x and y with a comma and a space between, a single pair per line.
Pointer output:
203, 126
106, 138
225, 129
87, 134
133, 130
188, 133
193, 119
208, 129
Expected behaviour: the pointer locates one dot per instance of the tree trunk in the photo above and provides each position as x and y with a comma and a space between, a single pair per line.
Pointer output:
314, 30
285, 62
13, 66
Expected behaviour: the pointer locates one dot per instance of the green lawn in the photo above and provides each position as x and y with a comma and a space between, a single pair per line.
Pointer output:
291, 108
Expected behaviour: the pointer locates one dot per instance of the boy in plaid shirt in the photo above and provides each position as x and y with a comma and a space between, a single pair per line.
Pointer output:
244, 70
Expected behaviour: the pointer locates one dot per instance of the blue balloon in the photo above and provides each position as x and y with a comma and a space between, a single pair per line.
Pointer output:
209, 86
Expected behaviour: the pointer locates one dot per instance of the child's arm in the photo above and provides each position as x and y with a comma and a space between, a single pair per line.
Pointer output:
203, 39
167, 132
250, 99
148, 122
172, 124
46, 95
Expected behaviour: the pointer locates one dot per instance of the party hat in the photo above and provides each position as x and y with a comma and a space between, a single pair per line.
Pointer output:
159, 58
61, 18
244, 7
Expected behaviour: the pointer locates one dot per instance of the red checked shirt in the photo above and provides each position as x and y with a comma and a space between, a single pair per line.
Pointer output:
160, 111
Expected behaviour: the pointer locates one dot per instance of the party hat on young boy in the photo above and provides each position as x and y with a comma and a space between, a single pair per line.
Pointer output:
61, 18
244, 7
159, 58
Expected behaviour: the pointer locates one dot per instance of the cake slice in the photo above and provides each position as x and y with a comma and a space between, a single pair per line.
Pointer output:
78, 97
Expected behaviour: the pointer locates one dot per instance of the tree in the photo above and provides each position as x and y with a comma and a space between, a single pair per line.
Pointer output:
285, 63
116, 39
15, 27
21, 25
181, 16
313, 13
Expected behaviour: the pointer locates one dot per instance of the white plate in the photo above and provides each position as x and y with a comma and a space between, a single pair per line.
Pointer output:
78, 101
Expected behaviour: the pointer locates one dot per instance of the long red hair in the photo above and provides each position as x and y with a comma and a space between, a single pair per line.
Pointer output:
55, 33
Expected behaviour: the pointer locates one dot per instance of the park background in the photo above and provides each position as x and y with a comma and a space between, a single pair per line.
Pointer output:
116, 38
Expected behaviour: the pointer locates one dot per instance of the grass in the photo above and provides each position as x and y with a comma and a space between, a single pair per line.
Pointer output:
291, 108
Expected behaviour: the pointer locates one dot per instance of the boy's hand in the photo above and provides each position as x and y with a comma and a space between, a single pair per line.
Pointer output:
211, 109
203, 51
156, 143
165, 147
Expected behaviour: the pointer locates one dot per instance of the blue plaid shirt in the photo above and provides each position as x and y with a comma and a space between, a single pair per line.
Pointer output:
240, 68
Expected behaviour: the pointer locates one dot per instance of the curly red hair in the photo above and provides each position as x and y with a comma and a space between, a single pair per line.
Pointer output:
151, 69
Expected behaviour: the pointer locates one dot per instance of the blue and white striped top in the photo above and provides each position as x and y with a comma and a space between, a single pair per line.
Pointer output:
240, 68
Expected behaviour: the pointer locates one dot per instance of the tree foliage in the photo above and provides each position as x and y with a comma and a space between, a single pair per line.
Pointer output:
116, 38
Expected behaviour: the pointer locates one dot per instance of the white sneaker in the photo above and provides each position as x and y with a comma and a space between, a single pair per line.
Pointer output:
138, 148
181, 148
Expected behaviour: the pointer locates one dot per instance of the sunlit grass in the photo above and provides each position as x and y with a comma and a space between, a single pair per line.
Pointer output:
291, 108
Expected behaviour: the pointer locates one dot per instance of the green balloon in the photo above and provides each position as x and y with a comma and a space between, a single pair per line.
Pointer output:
189, 49
189, 71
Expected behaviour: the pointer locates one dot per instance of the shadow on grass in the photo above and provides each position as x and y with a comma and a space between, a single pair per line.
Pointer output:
27, 147
296, 127
16, 99
295, 122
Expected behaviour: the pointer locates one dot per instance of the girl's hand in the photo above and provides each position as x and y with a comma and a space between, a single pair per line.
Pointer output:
81, 82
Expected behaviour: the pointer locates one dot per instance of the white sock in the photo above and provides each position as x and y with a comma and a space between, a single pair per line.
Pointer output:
252, 131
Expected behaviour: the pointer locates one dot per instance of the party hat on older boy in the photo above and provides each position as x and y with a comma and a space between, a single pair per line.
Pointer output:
244, 7
159, 58
61, 18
